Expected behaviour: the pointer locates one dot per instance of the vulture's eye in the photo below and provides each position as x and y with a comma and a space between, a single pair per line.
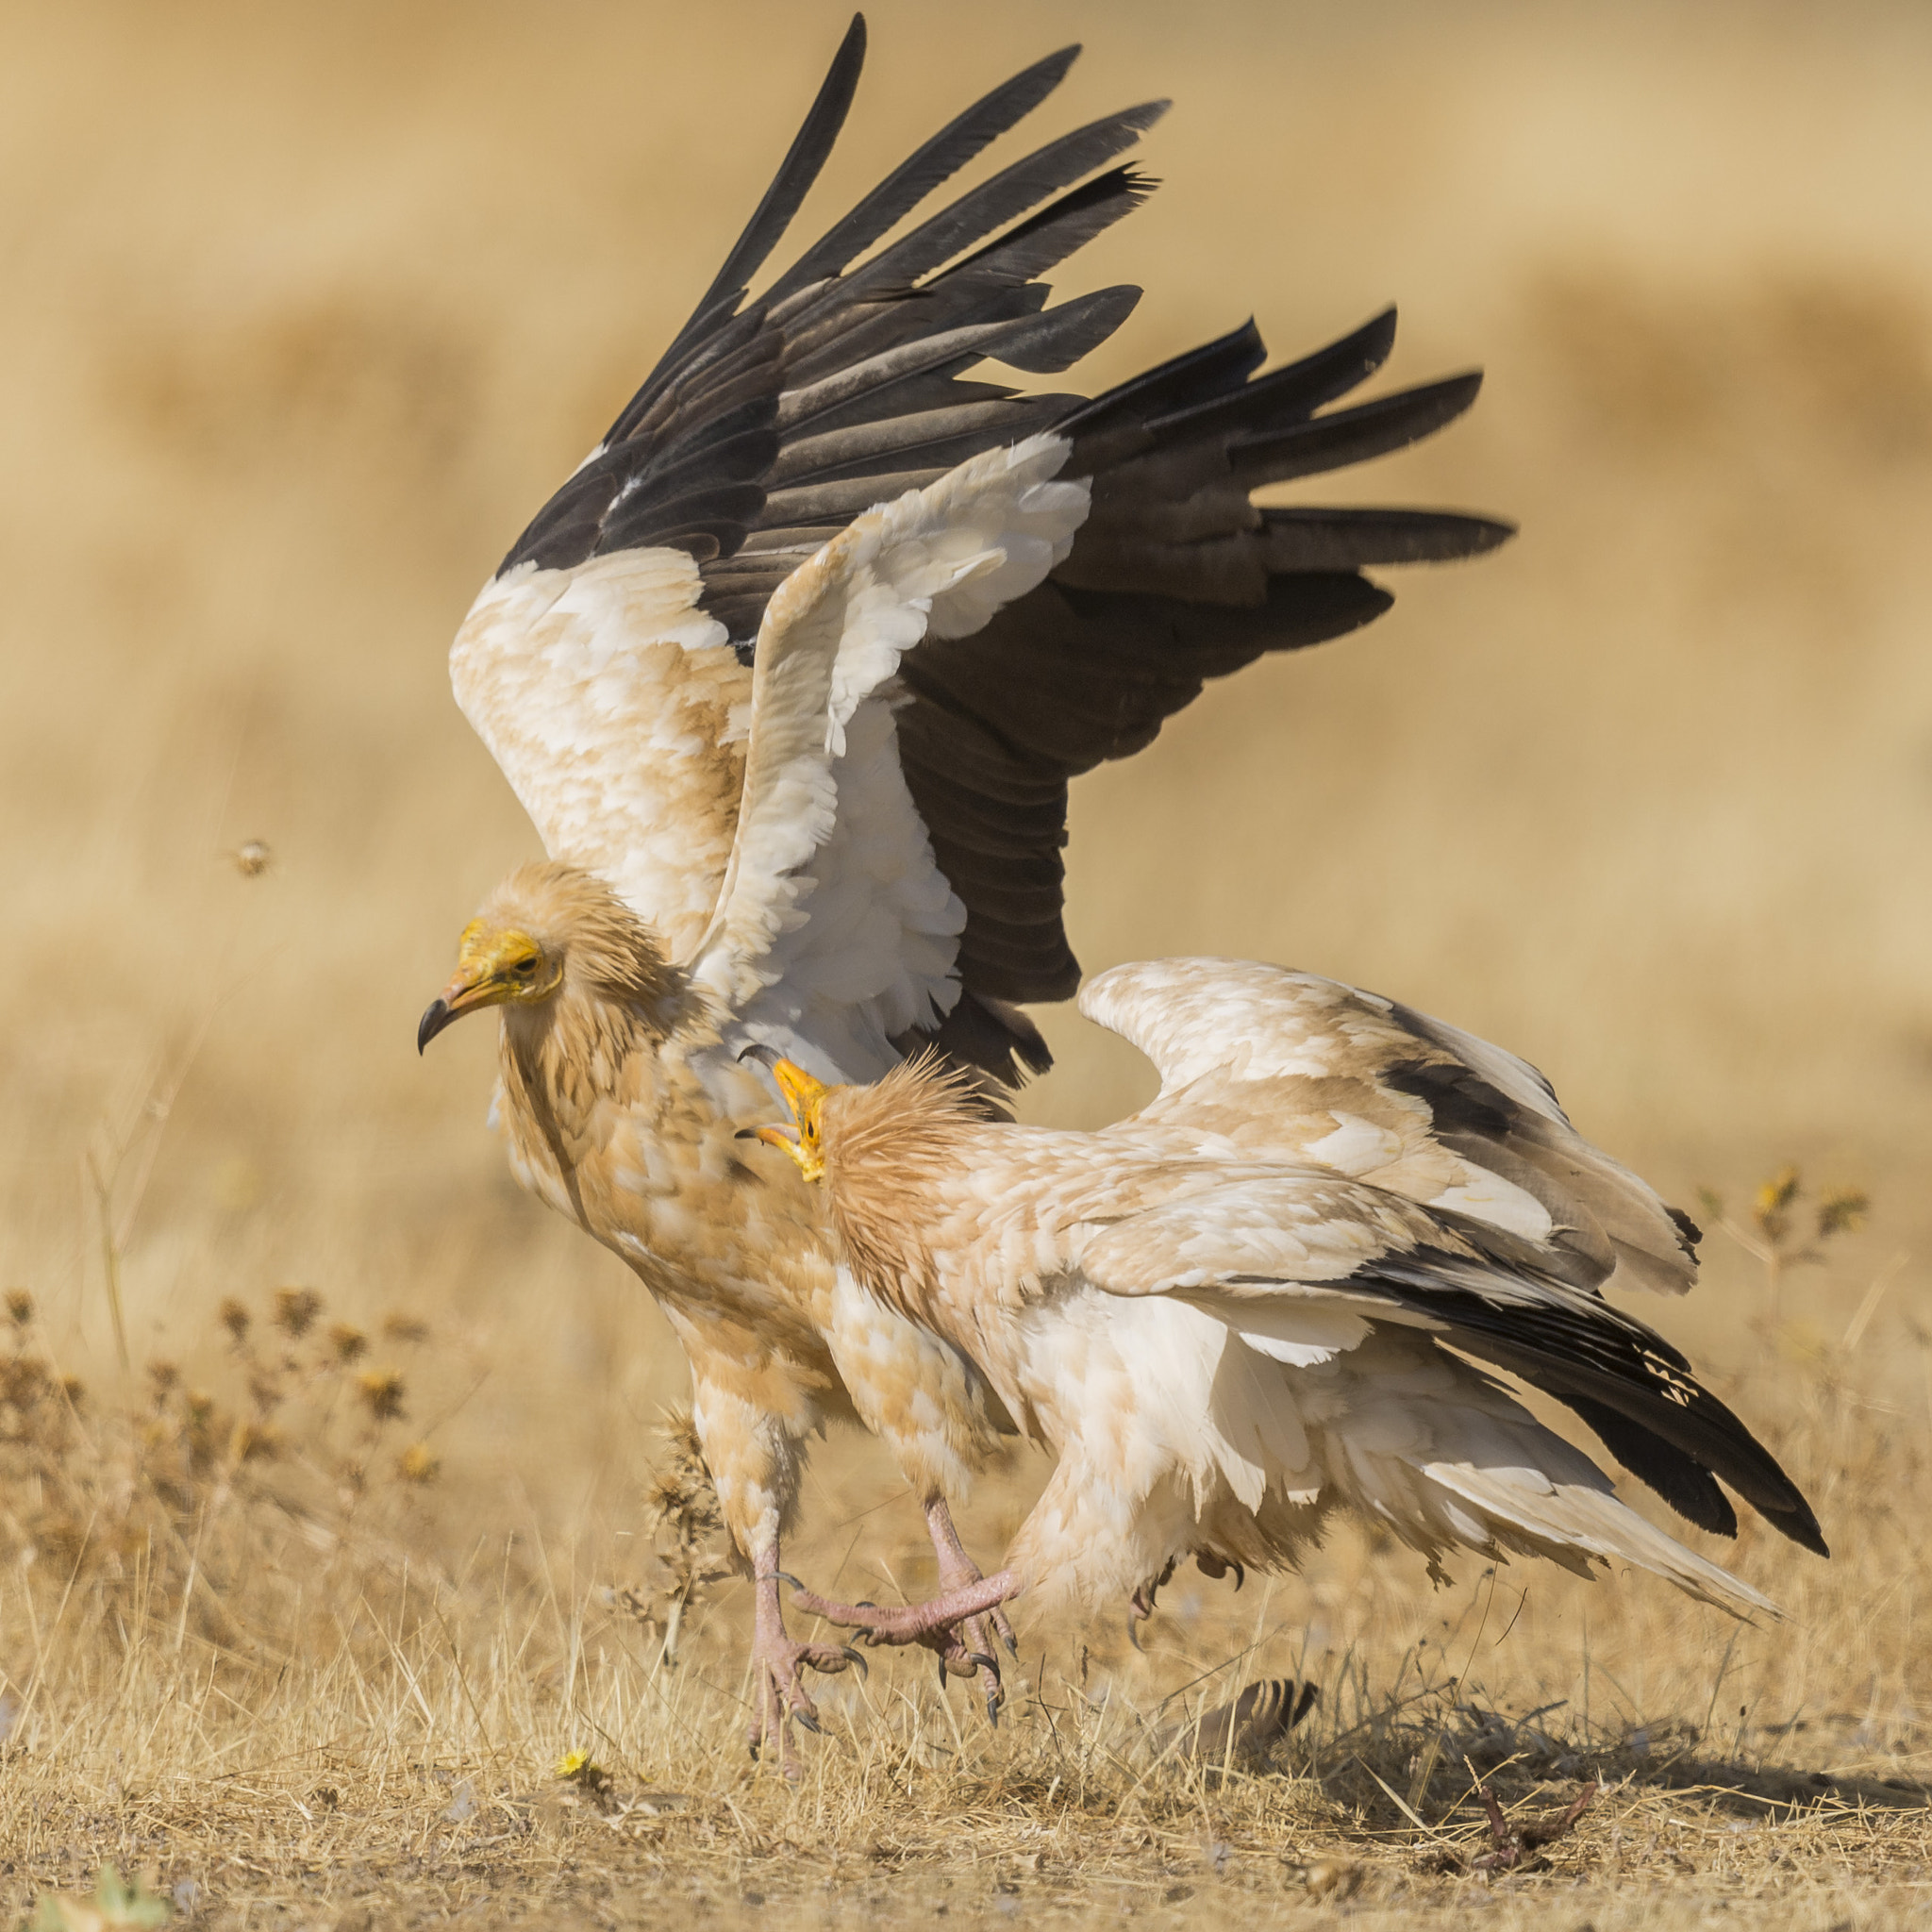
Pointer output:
524, 968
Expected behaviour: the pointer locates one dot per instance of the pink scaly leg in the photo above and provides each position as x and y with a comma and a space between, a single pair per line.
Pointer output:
934, 1625
956, 1571
777, 1659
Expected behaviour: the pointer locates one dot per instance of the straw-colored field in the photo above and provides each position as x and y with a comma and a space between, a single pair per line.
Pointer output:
307, 309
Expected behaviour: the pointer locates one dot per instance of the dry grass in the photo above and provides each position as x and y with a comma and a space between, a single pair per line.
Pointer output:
311, 308
294, 1678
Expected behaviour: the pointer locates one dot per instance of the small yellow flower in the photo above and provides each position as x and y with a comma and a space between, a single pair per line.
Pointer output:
1771, 1206
576, 1767
419, 1463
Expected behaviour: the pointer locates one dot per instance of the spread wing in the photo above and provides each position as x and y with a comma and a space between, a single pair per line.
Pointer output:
1304, 1265
835, 932
607, 665
1283, 1063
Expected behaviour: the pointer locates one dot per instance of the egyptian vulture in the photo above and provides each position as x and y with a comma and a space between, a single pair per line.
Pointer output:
791, 675
1266, 1294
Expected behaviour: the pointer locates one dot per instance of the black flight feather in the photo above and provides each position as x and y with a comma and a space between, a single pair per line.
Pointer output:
915, 177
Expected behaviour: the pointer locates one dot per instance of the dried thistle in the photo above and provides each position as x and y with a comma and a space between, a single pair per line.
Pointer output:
20, 1307
681, 1507
255, 1442
296, 1309
381, 1390
1841, 1211
680, 1503
349, 1342
191, 1493
1772, 1236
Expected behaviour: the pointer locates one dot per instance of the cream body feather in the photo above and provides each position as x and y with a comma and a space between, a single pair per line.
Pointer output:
619, 713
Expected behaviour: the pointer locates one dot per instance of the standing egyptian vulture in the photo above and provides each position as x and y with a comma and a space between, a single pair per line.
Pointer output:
1255, 1300
791, 675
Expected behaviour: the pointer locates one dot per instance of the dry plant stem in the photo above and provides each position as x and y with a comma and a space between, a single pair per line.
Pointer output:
776, 1658
111, 1255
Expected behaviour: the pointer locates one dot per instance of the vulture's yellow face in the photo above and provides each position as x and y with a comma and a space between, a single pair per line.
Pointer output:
804, 1140
496, 966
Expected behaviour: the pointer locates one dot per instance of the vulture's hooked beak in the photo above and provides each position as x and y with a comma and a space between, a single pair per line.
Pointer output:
436, 1016
805, 1097
491, 968
472, 984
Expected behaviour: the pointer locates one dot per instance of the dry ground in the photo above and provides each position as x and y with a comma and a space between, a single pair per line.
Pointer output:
307, 309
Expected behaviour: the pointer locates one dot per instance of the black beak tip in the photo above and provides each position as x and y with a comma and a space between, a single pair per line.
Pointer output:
432, 1023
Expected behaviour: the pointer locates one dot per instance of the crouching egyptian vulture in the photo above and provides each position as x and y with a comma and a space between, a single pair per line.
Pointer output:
1266, 1296
791, 675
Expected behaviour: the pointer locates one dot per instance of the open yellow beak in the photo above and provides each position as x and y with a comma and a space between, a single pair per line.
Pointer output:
805, 1097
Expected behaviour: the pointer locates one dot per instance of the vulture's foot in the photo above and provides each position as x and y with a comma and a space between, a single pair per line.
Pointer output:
1140, 1605
939, 1625
779, 1698
957, 1571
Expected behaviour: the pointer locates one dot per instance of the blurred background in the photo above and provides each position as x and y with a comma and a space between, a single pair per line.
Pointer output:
308, 309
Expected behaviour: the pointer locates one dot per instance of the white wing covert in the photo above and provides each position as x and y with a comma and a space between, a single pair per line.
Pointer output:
834, 929
1289, 1065
617, 710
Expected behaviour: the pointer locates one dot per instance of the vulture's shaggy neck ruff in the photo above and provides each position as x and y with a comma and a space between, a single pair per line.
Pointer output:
886, 1147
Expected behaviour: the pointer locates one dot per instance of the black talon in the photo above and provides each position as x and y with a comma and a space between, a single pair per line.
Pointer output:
1011, 1644
864, 1604
992, 1710
1241, 1575
811, 1723
785, 1577
1134, 1630
942, 1676
864, 1668
985, 1662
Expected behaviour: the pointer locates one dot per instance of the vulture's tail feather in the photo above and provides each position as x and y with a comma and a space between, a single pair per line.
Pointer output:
1674, 1434
1461, 1464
